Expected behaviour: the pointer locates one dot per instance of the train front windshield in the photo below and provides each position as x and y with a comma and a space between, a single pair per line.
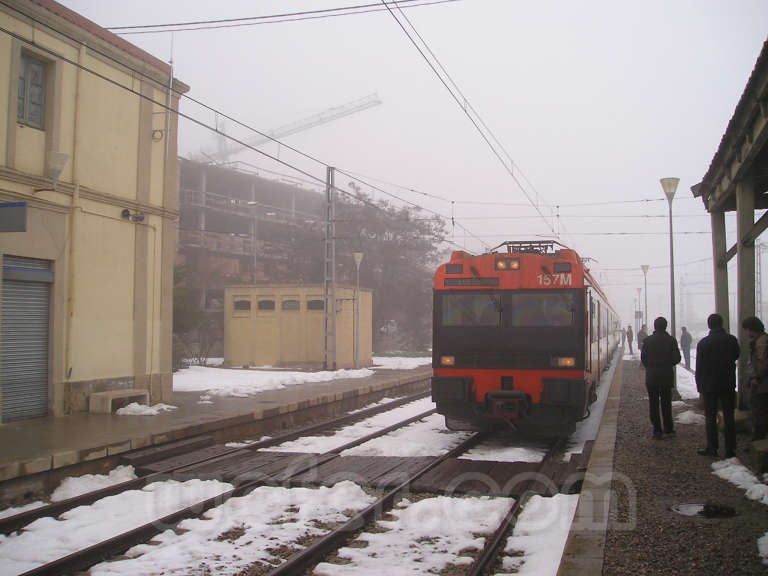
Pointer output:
515, 309
509, 328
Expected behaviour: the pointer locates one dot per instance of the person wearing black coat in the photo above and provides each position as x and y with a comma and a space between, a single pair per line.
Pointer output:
716, 356
659, 355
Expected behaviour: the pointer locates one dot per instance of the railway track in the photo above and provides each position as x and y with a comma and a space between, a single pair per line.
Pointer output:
85, 558
14, 523
250, 468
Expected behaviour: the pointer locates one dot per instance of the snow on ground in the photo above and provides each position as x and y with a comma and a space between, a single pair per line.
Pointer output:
424, 537
47, 539
242, 531
403, 363
686, 383
538, 539
736, 473
76, 485
242, 383
14, 510
689, 417
507, 450
427, 437
136, 409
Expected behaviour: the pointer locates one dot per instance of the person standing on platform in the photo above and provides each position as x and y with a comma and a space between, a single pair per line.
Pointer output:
630, 337
685, 346
642, 335
758, 381
659, 354
716, 356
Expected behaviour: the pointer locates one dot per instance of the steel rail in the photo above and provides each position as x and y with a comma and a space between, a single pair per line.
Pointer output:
495, 543
84, 559
305, 559
16, 522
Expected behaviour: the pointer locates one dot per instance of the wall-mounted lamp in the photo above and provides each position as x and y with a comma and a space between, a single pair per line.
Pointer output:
132, 216
157, 135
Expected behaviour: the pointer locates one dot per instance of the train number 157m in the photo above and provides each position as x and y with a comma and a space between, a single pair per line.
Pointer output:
561, 279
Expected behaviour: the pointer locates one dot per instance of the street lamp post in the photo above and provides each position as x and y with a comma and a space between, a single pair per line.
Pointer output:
645, 268
670, 186
358, 256
638, 317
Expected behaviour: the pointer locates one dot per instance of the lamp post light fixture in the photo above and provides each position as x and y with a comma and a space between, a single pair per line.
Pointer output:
645, 268
670, 187
358, 256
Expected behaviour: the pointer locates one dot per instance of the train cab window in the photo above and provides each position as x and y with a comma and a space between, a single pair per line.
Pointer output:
542, 309
471, 309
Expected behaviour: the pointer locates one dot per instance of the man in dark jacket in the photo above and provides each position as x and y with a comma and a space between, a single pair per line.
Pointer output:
716, 356
630, 337
659, 355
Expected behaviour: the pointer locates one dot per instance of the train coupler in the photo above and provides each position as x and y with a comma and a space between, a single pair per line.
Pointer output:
507, 404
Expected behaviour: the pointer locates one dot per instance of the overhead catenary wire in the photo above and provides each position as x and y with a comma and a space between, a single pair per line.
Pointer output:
200, 123
464, 108
267, 19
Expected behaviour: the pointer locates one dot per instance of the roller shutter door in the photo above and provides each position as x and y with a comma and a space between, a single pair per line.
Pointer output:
24, 344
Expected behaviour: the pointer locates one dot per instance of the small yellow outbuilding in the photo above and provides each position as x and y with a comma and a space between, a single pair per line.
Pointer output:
282, 325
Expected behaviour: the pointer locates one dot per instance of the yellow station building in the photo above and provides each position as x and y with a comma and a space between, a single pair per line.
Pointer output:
282, 325
88, 182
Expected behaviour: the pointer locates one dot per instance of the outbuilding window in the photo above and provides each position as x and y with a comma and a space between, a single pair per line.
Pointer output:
266, 305
242, 305
30, 108
315, 305
290, 305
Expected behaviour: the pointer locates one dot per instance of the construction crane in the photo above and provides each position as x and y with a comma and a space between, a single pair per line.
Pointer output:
224, 150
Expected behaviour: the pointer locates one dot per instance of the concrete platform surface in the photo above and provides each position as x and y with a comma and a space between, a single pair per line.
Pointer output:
626, 520
30, 447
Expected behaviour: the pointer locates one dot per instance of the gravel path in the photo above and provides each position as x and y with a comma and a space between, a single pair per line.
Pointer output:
668, 472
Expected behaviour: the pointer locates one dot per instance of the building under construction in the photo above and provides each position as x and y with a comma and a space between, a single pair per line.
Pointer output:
239, 226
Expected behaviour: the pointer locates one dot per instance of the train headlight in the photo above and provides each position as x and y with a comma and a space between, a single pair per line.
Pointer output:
447, 360
507, 264
564, 362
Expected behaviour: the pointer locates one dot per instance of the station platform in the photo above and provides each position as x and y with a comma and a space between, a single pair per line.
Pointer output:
36, 454
627, 520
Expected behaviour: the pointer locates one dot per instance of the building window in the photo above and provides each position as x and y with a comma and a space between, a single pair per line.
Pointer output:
315, 305
31, 97
266, 305
290, 305
242, 305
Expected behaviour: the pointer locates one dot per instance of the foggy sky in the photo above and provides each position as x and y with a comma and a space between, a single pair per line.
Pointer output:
594, 101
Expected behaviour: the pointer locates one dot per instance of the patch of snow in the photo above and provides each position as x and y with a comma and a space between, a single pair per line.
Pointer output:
242, 531
243, 383
48, 539
401, 363
689, 417
538, 539
425, 537
686, 383
136, 409
76, 485
14, 510
499, 450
